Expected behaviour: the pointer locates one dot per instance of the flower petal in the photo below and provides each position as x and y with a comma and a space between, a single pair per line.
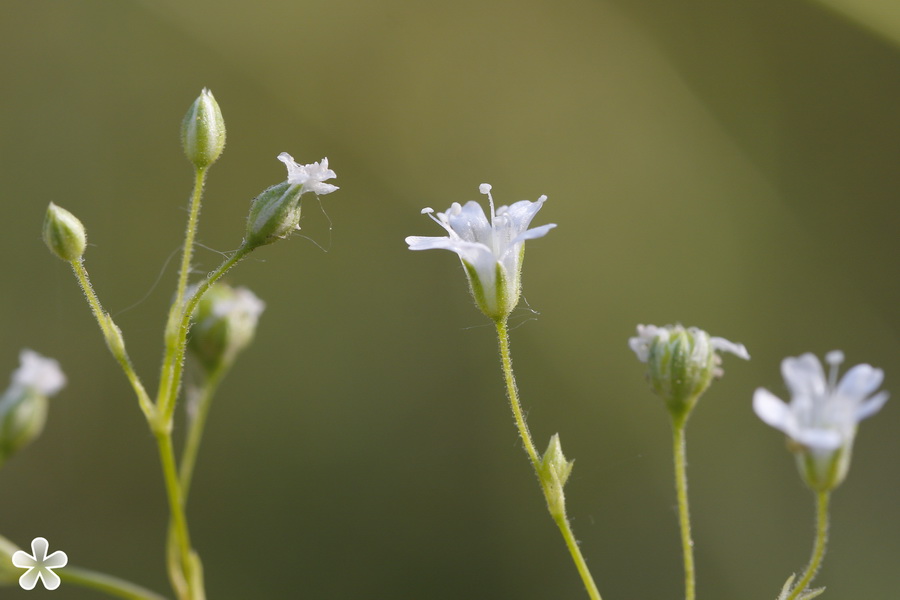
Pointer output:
772, 410
804, 376
738, 350
860, 381
871, 406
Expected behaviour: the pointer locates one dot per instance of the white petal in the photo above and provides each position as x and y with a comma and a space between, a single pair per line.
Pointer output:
860, 381
29, 579
39, 373
871, 406
470, 223
804, 376
820, 439
773, 411
736, 349
535, 233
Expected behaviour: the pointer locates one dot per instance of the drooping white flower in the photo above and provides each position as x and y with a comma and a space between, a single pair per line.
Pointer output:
490, 250
312, 177
823, 413
682, 362
40, 374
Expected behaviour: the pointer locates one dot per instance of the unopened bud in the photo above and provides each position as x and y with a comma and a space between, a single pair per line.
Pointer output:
23, 408
223, 325
64, 234
203, 131
554, 472
274, 214
682, 362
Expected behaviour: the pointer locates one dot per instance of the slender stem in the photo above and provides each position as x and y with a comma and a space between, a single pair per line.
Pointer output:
178, 520
190, 234
106, 325
195, 433
175, 347
684, 517
176, 310
559, 515
821, 542
107, 584
512, 392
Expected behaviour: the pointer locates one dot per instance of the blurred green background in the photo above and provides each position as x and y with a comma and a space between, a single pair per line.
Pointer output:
731, 165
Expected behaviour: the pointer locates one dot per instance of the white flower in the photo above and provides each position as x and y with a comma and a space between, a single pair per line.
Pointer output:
682, 362
312, 177
491, 251
822, 416
40, 565
37, 373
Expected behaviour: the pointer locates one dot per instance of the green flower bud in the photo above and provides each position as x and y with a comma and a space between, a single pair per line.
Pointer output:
274, 215
23, 408
64, 234
682, 362
203, 131
554, 472
223, 325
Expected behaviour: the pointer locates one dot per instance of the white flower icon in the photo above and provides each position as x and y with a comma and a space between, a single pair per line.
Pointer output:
39, 565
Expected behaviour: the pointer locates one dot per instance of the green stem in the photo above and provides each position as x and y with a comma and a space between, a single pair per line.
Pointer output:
175, 311
109, 332
197, 426
112, 586
684, 517
821, 542
173, 361
178, 520
559, 516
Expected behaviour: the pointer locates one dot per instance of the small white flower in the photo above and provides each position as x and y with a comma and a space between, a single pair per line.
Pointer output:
39, 565
312, 177
682, 362
823, 413
491, 251
822, 416
38, 373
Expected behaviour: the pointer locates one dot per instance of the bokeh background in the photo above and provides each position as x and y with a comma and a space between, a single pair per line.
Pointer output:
731, 165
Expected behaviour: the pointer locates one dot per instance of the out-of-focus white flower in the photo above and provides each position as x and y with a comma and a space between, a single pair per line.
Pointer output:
312, 177
823, 413
38, 373
491, 251
682, 362
224, 324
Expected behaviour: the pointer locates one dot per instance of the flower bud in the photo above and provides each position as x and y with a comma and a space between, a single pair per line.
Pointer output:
223, 325
554, 472
64, 234
682, 362
203, 131
23, 408
274, 214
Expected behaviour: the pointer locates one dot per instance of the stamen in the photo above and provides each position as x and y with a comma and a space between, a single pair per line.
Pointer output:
485, 188
834, 359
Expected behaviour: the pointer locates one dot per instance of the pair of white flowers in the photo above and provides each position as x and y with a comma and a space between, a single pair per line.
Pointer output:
822, 415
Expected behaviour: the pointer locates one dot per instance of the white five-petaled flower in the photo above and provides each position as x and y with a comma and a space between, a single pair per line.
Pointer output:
39, 565
823, 413
682, 362
38, 373
312, 177
490, 250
